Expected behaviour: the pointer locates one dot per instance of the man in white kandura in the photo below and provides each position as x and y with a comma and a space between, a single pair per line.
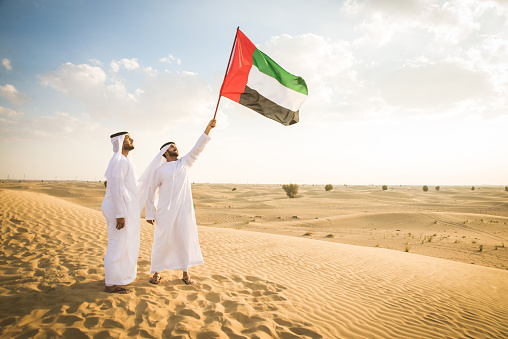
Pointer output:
176, 244
121, 210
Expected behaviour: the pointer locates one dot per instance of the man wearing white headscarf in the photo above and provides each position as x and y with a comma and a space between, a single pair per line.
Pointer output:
176, 244
121, 210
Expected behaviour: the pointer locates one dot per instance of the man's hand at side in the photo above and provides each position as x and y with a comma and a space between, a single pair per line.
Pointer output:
120, 223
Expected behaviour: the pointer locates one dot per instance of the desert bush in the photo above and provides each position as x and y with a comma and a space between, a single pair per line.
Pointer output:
506, 188
437, 188
291, 190
328, 187
425, 188
472, 188
234, 189
384, 187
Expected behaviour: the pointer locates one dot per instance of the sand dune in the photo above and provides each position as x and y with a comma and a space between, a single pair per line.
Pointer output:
253, 285
453, 223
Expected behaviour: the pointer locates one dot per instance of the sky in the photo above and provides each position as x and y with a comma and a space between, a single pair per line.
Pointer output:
401, 92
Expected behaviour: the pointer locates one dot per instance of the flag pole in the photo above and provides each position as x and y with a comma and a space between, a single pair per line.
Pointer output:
227, 68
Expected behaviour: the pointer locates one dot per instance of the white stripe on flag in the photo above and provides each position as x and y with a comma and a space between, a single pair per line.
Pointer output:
271, 89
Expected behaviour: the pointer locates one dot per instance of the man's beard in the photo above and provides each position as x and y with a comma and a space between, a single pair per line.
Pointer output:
173, 154
128, 147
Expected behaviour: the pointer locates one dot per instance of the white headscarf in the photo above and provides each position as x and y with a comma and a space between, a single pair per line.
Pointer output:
146, 179
117, 150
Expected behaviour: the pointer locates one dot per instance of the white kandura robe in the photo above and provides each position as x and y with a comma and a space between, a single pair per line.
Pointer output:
121, 201
176, 243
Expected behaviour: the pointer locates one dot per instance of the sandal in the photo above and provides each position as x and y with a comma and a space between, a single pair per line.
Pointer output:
157, 279
188, 281
119, 290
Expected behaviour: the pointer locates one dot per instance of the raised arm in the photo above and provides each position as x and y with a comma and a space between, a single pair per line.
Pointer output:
190, 158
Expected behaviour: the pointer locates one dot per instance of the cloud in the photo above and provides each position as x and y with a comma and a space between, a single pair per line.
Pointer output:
128, 64
75, 80
447, 57
7, 64
89, 85
450, 22
11, 93
491, 56
170, 97
454, 21
327, 66
144, 99
437, 85
170, 59
403, 7
10, 113
62, 124
57, 126
95, 61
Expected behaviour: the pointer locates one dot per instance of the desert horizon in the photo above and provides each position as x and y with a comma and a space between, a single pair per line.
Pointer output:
356, 214
352, 262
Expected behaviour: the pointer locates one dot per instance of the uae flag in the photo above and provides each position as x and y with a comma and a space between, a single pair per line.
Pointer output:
259, 83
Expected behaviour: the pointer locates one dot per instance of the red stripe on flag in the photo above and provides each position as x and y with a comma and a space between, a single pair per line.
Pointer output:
238, 73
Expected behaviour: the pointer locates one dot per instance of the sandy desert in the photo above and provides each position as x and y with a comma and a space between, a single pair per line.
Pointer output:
354, 262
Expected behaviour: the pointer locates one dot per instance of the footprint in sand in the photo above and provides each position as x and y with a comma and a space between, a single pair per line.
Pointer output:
91, 322
110, 323
190, 313
220, 278
214, 297
74, 333
68, 320
16, 221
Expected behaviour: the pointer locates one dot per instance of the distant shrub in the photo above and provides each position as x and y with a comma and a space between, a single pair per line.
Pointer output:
425, 188
472, 188
234, 189
384, 187
328, 187
506, 188
291, 190
437, 188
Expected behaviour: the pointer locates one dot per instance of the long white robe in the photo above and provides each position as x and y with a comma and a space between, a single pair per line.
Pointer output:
121, 201
176, 243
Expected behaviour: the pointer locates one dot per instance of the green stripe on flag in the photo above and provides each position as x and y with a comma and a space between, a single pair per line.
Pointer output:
270, 68
271, 89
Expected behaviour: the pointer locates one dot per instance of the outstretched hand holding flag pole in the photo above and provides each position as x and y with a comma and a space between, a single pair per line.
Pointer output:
254, 80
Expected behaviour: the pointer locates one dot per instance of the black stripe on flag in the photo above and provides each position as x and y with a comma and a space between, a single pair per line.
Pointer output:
252, 99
